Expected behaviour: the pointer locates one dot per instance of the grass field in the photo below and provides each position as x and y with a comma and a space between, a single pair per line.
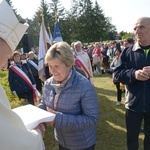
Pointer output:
111, 128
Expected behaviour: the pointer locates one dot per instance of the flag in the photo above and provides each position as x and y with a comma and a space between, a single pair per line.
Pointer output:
57, 34
44, 39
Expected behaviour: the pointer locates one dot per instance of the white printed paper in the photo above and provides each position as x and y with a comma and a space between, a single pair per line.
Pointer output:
32, 116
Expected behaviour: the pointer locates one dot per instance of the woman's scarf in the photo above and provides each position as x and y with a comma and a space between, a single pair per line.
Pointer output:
58, 87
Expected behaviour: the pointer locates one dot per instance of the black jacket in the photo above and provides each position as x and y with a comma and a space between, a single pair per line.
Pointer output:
137, 92
16, 83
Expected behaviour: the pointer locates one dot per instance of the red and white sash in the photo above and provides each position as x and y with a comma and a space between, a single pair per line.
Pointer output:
82, 65
18, 71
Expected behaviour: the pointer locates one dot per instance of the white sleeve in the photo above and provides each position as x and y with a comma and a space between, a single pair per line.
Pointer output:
13, 133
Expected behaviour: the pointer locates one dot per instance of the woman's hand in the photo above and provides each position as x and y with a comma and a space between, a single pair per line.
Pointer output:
51, 123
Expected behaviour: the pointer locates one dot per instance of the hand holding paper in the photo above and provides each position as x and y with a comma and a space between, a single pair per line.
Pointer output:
32, 116
41, 127
52, 122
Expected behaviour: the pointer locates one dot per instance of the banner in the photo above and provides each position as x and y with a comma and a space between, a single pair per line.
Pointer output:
44, 39
57, 34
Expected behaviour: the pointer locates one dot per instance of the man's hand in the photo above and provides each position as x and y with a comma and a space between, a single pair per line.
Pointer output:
147, 70
142, 75
41, 127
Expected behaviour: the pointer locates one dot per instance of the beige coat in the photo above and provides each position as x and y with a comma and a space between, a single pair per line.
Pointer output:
13, 133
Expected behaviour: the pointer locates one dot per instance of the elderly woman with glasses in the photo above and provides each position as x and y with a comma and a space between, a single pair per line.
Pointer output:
72, 98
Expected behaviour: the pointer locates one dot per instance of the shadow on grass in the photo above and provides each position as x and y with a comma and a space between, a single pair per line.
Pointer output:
111, 128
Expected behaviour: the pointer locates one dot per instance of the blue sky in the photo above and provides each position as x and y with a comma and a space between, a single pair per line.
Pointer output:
123, 13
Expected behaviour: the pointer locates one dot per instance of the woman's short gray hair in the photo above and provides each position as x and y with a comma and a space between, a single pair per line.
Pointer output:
61, 51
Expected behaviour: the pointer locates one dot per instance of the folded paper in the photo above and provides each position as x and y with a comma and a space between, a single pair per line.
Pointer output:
32, 116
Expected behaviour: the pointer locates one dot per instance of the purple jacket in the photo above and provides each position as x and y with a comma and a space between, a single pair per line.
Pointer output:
77, 112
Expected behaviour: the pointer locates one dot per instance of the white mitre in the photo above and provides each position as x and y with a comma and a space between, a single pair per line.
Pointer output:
10, 29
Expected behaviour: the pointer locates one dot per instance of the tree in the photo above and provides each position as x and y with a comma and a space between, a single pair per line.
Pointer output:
92, 25
57, 10
69, 26
15, 11
125, 35
84, 21
58, 14
103, 24
50, 11
10, 3
34, 25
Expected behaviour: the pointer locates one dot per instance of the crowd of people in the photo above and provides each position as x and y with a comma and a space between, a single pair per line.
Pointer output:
23, 76
69, 91
95, 59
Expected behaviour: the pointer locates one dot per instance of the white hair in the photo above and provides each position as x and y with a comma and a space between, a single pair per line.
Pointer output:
77, 43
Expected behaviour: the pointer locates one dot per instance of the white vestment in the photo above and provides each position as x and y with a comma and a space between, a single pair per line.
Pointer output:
85, 58
13, 133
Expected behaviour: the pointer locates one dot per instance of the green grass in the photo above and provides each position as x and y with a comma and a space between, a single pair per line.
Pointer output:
111, 128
